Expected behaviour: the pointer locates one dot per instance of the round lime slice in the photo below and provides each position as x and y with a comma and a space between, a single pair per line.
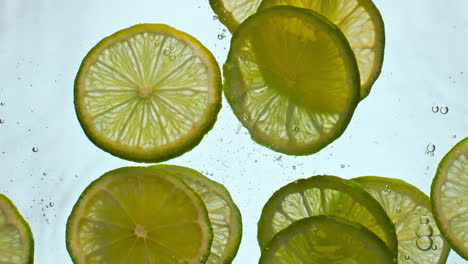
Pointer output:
148, 93
419, 239
139, 215
16, 238
324, 195
361, 23
291, 79
449, 197
224, 214
325, 239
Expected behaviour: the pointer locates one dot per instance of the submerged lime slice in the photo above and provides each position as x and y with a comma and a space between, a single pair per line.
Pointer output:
16, 239
419, 239
139, 215
361, 23
291, 78
224, 214
325, 239
233, 12
148, 93
324, 195
449, 196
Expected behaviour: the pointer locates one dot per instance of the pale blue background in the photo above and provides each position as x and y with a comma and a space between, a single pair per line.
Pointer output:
42, 43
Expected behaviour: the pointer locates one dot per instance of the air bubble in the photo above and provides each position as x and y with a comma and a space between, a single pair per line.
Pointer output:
407, 257
342, 166
454, 136
424, 243
51, 204
245, 118
2, 121
435, 109
424, 220
296, 129
2, 103
459, 202
221, 36
35, 149
434, 247
425, 230
167, 52
294, 167
215, 17
444, 110
430, 148
398, 210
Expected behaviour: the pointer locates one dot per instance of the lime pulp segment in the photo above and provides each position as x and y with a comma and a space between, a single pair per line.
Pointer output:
16, 239
148, 93
224, 214
139, 215
324, 239
419, 239
291, 79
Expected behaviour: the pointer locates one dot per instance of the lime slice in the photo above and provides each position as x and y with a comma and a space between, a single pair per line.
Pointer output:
16, 239
324, 195
291, 79
139, 215
419, 239
233, 12
449, 197
224, 215
361, 23
148, 93
324, 239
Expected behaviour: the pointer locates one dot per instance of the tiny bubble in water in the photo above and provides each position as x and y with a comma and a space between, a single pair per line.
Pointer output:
342, 166
444, 110
2, 103
430, 148
221, 36
424, 243
294, 167
2, 121
435, 109
51, 204
35, 149
454, 136
431, 154
215, 17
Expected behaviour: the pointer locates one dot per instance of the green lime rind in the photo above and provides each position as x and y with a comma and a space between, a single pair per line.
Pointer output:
73, 218
14, 218
234, 86
410, 210
377, 38
449, 197
224, 214
324, 195
326, 239
172, 149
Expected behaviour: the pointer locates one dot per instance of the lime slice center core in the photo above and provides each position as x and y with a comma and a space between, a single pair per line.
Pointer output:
145, 91
141, 232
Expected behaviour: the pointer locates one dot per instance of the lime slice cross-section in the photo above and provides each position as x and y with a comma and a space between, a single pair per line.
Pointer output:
148, 93
419, 239
224, 214
233, 12
139, 215
16, 238
291, 79
449, 197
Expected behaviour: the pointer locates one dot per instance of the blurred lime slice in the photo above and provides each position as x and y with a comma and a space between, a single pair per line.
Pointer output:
148, 93
291, 79
419, 239
449, 197
224, 215
16, 238
326, 239
361, 23
139, 215
324, 195
233, 12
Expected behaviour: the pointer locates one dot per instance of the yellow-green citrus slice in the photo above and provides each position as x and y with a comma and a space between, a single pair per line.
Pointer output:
148, 93
16, 238
324, 195
326, 239
419, 239
449, 197
233, 12
139, 215
291, 79
361, 23
224, 214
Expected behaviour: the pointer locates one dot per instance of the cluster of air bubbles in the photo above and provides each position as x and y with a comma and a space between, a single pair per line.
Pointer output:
424, 234
442, 109
430, 149
169, 52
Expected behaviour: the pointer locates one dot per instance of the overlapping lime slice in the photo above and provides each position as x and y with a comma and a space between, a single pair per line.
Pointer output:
449, 197
419, 239
233, 12
361, 23
148, 93
139, 215
16, 238
326, 239
324, 195
224, 214
291, 78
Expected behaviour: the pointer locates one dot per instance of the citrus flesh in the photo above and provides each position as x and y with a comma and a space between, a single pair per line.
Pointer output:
325, 239
361, 23
324, 195
16, 239
224, 214
139, 215
233, 12
419, 239
291, 79
449, 197
148, 93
